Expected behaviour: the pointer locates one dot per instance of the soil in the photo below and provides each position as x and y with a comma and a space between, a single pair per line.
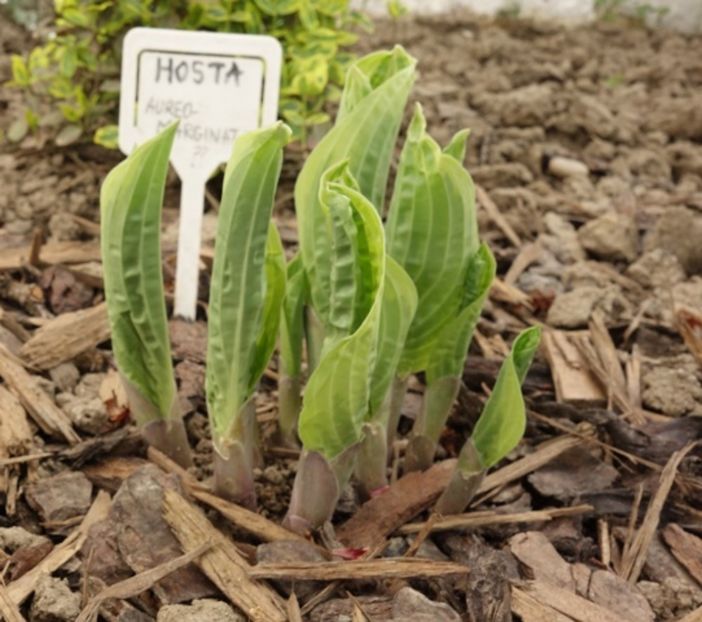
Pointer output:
587, 144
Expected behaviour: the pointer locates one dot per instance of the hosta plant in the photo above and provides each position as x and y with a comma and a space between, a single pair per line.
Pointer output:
499, 428
246, 296
130, 212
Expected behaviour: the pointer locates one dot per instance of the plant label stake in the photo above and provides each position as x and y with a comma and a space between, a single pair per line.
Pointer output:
218, 86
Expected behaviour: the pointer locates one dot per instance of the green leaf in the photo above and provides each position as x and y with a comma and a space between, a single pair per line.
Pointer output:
432, 233
20, 72
503, 420
18, 130
457, 146
451, 344
364, 136
241, 309
130, 229
292, 320
278, 7
68, 135
107, 136
398, 308
338, 392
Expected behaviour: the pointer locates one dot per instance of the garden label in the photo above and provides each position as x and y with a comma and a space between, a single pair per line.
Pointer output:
217, 86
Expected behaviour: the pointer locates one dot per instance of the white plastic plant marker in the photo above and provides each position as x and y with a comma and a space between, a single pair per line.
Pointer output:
218, 85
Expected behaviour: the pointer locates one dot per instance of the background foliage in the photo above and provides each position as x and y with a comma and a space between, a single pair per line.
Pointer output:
77, 68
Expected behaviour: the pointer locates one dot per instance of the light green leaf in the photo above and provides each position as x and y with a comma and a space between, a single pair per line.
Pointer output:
431, 233
292, 320
364, 136
20, 72
68, 135
278, 7
457, 145
106, 136
451, 344
240, 309
398, 308
338, 392
503, 420
130, 226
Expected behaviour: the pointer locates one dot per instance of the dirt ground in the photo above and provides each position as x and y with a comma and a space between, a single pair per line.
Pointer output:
586, 147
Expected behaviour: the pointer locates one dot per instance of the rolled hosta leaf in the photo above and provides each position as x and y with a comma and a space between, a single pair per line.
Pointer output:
364, 135
500, 426
291, 340
130, 218
248, 279
398, 307
431, 233
502, 423
338, 392
130, 213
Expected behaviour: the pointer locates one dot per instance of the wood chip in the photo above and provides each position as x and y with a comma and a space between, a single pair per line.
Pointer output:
20, 589
67, 336
49, 417
531, 610
572, 377
634, 558
51, 253
474, 520
496, 216
416, 491
223, 564
686, 548
8, 609
528, 254
137, 584
393, 568
689, 324
566, 603
15, 434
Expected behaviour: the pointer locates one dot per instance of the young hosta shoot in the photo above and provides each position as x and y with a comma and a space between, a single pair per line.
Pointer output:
372, 105
291, 340
432, 232
130, 214
499, 428
337, 395
246, 295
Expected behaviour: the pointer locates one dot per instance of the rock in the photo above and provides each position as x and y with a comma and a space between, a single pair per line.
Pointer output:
65, 376
573, 309
205, 610
611, 236
573, 473
89, 385
678, 231
619, 596
63, 227
13, 538
53, 601
409, 605
429, 550
672, 598
562, 239
61, 497
656, 268
88, 414
396, 547
672, 386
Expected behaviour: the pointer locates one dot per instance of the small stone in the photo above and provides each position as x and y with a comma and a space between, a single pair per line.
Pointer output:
63, 227
88, 415
89, 385
204, 610
409, 605
285, 551
657, 268
672, 598
672, 386
574, 308
618, 596
396, 547
273, 475
611, 236
65, 376
13, 538
678, 231
53, 601
61, 497
562, 239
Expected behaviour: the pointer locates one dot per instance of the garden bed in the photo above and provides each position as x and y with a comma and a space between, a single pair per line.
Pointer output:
585, 148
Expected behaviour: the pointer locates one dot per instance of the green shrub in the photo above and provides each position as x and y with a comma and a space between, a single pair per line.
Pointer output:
77, 70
